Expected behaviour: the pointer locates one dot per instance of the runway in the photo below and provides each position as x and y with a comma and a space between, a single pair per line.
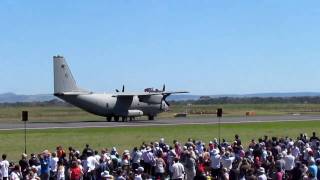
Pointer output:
156, 122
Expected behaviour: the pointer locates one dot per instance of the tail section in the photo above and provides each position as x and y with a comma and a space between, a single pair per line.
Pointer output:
63, 79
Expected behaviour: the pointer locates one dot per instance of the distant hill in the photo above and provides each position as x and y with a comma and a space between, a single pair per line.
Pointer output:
261, 95
13, 98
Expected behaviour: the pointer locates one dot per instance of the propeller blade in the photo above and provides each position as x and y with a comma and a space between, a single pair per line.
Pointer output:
167, 102
164, 88
122, 88
117, 90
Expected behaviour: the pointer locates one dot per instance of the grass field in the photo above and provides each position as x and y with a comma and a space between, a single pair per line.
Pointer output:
58, 113
12, 142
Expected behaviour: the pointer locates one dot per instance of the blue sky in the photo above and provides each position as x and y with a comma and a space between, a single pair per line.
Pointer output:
206, 47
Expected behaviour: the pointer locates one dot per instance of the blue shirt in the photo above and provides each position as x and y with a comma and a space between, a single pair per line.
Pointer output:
45, 162
313, 169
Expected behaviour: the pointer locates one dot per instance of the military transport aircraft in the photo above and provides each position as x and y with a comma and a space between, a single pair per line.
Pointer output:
114, 105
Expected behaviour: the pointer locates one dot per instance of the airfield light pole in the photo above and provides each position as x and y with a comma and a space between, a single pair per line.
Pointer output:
219, 115
25, 119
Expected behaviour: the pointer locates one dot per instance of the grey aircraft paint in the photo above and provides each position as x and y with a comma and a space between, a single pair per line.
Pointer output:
119, 104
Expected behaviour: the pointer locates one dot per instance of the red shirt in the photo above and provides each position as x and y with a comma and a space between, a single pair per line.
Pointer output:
75, 173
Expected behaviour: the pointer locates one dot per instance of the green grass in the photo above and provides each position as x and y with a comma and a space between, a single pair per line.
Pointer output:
60, 114
12, 142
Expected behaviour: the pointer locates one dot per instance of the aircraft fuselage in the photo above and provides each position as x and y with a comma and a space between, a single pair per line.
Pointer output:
108, 105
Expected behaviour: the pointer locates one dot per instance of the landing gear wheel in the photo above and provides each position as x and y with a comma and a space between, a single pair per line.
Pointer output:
109, 118
124, 118
132, 118
116, 118
150, 118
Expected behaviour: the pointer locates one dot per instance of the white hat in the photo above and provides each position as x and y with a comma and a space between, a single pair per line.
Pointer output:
105, 174
156, 144
140, 169
261, 170
215, 151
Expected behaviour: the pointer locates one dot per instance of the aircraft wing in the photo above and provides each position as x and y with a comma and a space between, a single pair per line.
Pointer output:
134, 94
167, 93
174, 92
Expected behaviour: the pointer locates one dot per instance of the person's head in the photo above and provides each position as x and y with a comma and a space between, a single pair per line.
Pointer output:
60, 163
34, 169
176, 159
16, 167
54, 154
74, 164
87, 145
289, 151
314, 134
4, 156
236, 136
24, 156
140, 170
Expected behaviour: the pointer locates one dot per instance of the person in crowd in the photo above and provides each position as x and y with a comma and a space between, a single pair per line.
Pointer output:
45, 164
139, 173
24, 165
75, 172
60, 171
106, 175
34, 161
177, 170
16, 173
53, 166
4, 167
160, 167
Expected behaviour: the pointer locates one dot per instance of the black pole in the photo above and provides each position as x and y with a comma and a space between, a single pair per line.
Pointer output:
25, 119
219, 115
25, 137
219, 129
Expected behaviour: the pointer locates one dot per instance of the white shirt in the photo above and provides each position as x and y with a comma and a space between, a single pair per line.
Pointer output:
262, 177
53, 164
215, 161
60, 173
98, 157
92, 162
227, 162
289, 162
295, 151
5, 168
177, 171
15, 175
137, 177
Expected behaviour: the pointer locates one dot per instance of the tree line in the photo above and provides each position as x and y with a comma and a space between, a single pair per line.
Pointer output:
253, 100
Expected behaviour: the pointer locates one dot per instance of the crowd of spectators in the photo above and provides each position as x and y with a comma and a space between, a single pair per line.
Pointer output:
264, 158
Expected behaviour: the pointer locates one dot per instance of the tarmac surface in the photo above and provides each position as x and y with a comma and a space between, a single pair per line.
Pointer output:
156, 122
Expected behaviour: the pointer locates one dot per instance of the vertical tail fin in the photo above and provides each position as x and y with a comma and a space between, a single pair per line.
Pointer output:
63, 79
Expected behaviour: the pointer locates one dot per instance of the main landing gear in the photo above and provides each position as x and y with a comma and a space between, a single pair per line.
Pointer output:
150, 118
117, 118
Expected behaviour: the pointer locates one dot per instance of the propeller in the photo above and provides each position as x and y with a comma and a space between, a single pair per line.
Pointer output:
163, 99
164, 88
117, 90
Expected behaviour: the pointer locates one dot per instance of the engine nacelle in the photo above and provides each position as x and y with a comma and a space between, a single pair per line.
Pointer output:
135, 113
154, 99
